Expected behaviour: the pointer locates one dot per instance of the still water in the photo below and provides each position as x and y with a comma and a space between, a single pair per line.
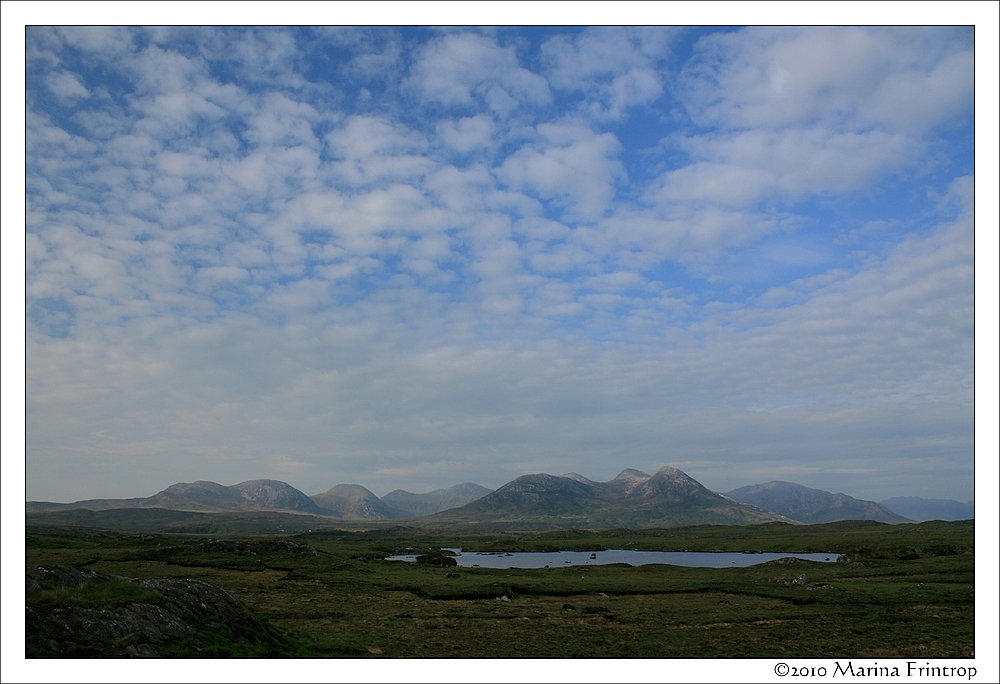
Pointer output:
562, 559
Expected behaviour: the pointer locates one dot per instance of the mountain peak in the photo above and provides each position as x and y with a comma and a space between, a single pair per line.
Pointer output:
273, 494
252, 495
579, 478
673, 474
353, 502
197, 485
631, 474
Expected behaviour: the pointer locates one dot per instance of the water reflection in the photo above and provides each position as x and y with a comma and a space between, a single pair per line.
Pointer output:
691, 559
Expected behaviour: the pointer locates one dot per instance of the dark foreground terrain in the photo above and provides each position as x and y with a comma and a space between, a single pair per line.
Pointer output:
901, 591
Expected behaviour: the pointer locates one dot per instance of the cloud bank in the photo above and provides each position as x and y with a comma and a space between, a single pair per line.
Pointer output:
411, 258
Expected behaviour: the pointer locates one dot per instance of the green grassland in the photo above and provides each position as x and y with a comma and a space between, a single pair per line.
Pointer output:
902, 591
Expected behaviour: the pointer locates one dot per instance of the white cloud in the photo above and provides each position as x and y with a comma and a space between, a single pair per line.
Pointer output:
105, 41
67, 85
468, 133
919, 99
740, 169
615, 67
574, 62
281, 120
460, 69
374, 151
869, 333
264, 54
615, 282
809, 380
638, 86
801, 114
569, 164
843, 78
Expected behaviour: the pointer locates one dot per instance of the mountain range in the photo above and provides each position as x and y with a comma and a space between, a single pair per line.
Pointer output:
633, 498
417, 505
669, 498
812, 505
344, 501
915, 508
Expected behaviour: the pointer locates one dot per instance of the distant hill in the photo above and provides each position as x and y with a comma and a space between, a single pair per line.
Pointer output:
633, 499
203, 496
668, 498
159, 520
88, 504
915, 508
812, 505
416, 505
353, 502
252, 495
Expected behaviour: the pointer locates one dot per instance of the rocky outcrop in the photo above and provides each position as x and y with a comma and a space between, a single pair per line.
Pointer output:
79, 613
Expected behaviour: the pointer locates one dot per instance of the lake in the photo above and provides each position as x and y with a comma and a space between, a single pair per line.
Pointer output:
563, 559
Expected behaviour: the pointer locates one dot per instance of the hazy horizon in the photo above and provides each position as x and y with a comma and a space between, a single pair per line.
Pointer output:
410, 258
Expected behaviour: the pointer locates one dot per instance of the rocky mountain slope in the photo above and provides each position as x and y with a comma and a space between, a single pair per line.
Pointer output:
668, 498
808, 505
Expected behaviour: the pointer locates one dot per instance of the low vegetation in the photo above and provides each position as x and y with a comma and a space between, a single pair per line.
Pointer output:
900, 591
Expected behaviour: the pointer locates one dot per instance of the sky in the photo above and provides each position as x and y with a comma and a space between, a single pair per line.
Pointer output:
414, 257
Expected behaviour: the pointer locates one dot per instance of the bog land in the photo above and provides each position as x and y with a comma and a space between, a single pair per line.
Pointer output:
898, 591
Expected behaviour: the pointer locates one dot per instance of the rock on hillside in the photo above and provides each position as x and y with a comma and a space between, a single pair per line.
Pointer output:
124, 617
354, 502
416, 505
812, 505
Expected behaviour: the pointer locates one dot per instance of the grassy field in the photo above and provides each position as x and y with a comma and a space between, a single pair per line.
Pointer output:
903, 591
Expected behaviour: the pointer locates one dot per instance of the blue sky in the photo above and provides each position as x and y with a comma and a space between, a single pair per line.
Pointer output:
415, 257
